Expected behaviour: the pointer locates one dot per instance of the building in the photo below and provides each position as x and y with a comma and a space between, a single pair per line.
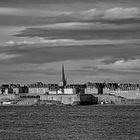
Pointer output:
23, 89
79, 88
52, 91
38, 88
53, 88
91, 88
106, 90
69, 90
5, 89
66, 90
15, 88
10, 89
126, 90
0, 90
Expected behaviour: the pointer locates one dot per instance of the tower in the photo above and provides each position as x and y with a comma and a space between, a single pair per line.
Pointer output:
64, 81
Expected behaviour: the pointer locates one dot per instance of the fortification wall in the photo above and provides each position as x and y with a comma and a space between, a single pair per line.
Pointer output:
110, 99
8, 96
64, 99
71, 99
27, 102
128, 94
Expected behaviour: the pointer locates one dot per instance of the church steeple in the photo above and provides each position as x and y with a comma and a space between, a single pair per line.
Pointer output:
63, 76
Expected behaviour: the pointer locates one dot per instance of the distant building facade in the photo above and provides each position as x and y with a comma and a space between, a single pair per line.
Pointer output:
91, 88
38, 88
69, 90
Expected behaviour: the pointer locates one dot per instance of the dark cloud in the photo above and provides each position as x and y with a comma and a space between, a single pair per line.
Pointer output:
21, 2
117, 21
16, 20
80, 34
53, 54
96, 39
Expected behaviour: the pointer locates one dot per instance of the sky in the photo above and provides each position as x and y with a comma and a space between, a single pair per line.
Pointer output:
96, 40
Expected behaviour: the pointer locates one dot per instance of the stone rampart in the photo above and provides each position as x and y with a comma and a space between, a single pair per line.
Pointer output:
63, 98
128, 94
8, 96
110, 99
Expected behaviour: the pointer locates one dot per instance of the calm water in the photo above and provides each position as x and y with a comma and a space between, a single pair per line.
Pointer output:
70, 123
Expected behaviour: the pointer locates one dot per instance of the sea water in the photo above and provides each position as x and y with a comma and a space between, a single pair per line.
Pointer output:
93, 122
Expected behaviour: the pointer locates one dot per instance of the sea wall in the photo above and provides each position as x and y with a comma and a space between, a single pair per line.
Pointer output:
128, 94
123, 98
133, 101
62, 98
27, 102
8, 96
110, 99
83, 99
86, 99
70, 99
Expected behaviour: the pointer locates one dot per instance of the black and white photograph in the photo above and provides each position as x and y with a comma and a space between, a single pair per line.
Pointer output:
69, 69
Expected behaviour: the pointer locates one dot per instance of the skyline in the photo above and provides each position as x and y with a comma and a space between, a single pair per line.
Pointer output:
95, 40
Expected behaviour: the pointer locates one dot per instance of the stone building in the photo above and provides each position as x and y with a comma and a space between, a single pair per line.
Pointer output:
38, 88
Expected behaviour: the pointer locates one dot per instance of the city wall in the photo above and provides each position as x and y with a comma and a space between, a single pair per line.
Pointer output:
110, 99
71, 99
64, 99
85, 99
8, 97
128, 94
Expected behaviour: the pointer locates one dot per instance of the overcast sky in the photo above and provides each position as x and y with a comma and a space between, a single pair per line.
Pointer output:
96, 40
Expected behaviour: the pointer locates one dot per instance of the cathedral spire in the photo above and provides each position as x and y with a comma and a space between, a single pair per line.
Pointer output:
63, 76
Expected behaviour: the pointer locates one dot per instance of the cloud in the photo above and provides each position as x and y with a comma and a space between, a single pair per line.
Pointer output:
87, 14
39, 40
114, 13
9, 11
85, 66
31, 12
74, 33
86, 26
130, 65
24, 42
39, 16
122, 13
85, 69
5, 56
82, 70
110, 14
84, 30
88, 65
69, 50
68, 42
